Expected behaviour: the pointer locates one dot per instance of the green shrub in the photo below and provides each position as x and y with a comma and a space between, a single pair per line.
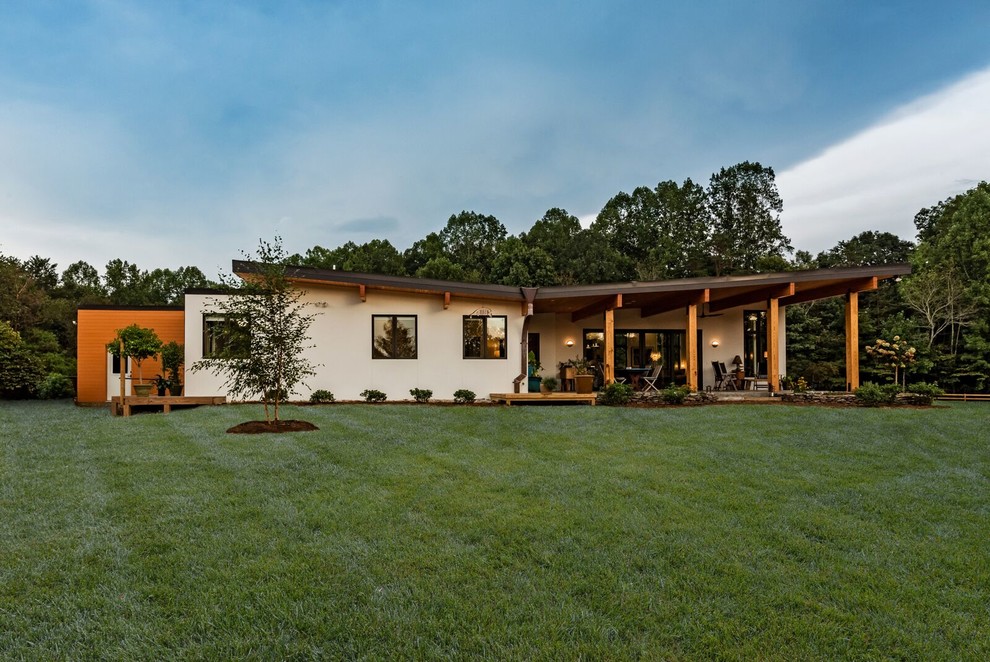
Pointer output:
20, 370
874, 395
373, 395
890, 391
550, 383
281, 394
55, 386
421, 394
321, 396
463, 395
615, 394
675, 395
925, 390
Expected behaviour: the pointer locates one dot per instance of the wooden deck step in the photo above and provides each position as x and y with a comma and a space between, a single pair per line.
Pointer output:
543, 398
166, 402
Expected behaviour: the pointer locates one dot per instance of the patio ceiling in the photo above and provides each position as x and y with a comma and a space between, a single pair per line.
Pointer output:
653, 298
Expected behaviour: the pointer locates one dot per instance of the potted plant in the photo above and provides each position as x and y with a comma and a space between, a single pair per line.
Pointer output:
584, 378
548, 385
534, 373
136, 343
161, 383
173, 356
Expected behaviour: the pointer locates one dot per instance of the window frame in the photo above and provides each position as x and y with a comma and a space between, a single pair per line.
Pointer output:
484, 337
218, 319
394, 318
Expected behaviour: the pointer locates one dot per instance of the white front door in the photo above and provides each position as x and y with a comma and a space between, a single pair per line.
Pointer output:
113, 377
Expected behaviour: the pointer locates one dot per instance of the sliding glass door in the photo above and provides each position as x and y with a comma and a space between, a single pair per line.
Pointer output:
637, 350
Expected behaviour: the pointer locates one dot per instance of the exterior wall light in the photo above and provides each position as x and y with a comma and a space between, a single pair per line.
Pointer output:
569, 342
714, 343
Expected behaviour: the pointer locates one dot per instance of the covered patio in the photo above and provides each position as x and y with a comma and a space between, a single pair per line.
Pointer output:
579, 317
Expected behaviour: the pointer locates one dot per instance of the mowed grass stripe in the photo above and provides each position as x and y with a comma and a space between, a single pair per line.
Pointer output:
65, 563
736, 531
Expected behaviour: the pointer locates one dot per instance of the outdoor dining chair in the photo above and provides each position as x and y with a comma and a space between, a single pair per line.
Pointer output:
650, 379
723, 380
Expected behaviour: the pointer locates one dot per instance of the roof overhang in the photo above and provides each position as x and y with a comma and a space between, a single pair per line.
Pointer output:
364, 282
650, 297
719, 293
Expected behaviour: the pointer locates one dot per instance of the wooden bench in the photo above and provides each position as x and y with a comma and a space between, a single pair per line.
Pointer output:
166, 402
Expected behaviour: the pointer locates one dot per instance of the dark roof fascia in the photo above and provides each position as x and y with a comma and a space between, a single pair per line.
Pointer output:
336, 276
721, 282
111, 306
483, 290
205, 290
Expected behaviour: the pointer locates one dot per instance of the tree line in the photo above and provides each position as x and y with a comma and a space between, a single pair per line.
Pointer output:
671, 230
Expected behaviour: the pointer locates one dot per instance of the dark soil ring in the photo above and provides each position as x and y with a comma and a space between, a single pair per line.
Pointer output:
261, 427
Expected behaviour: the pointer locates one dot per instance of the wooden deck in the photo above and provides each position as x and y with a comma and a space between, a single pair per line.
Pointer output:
543, 398
164, 401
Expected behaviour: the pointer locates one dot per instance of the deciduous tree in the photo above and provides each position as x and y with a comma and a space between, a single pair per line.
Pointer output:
270, 306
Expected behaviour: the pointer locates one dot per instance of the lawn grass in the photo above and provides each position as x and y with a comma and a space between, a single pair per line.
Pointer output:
741, 531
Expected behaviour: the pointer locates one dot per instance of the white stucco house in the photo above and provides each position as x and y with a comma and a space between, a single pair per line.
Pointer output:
395, 333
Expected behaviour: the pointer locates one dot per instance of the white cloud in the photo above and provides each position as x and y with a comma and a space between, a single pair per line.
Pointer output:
879, 179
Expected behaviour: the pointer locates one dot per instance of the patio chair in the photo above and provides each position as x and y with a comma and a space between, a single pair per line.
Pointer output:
650, 379
724, 381
719, 384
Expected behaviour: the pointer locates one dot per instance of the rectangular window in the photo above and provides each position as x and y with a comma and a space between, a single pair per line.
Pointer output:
393, 337
115, 365
225, 337
484, 337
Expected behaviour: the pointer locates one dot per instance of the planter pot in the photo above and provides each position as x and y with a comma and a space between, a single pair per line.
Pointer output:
545, 390
175, 390
534, 384
583, 383
161, 391
142, 390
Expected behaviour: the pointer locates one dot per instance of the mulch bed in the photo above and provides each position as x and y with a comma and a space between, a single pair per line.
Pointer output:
262, 427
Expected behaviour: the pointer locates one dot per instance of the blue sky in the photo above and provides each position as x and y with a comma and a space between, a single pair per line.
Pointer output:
179, 133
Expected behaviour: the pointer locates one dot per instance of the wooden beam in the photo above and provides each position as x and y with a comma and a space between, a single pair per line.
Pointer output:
610, 302
852, 341
679, 300
834, 290
446, 300
752, 296
363, 293
773, 344
692, 346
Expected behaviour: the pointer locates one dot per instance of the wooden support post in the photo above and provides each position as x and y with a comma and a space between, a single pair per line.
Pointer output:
692, 346
609, 368
852, 341
609, 346
124, 411
123, 368
773, 345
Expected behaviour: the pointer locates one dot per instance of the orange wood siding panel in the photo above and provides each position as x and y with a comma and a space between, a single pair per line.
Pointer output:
95, 328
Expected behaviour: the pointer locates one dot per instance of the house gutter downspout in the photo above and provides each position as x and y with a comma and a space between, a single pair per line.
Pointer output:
529, 294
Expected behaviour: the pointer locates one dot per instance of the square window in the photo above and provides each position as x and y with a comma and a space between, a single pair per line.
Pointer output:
225, 337
484, 337
393, 337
